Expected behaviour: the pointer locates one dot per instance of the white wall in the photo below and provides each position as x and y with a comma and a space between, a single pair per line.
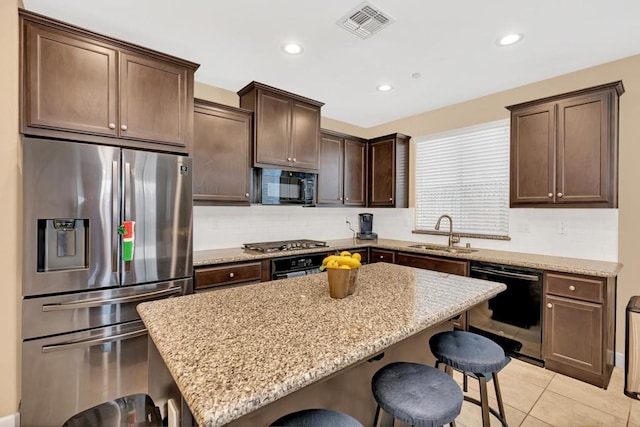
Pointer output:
576, 233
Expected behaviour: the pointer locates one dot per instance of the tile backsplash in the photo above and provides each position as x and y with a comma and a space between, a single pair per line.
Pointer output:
575, 233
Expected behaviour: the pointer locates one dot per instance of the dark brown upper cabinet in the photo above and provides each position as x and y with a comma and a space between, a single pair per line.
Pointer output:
342, 177
79, 85
221, 154
286, 128
389, 171
564, 149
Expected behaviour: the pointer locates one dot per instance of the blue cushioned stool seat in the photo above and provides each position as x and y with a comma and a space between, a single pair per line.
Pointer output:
468, 352
317, 418
476, 356
417, 394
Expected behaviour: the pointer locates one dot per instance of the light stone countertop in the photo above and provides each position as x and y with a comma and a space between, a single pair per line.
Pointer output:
235, 350
519, 259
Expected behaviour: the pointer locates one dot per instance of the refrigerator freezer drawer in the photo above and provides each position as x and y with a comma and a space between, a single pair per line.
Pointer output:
58, 314
66, 374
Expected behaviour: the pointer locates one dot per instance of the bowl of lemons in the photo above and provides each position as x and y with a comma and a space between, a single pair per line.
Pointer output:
342, 272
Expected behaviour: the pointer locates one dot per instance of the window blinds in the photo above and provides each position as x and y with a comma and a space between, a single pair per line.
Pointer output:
465, 174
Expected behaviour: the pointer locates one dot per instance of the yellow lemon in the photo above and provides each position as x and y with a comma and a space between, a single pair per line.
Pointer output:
357, 256
345, 253
345, 267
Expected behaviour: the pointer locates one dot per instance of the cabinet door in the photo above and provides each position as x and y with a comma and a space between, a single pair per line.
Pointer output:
305, 136
572, 334
382, 175
355, 173
532, 155
331, 172
153, 100
70, 82
273, 129
221, 155
584, 156
378, 255
460, 268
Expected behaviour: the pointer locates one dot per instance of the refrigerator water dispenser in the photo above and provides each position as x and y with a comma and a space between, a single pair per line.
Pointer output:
62, 244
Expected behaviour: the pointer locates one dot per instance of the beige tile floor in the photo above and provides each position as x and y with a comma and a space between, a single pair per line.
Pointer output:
536, 397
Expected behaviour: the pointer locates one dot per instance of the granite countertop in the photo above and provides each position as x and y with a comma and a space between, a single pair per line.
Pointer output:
235, 350
543, 262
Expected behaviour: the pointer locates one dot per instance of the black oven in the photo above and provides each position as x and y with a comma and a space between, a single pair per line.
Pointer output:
513, 317
295, 266
279, 187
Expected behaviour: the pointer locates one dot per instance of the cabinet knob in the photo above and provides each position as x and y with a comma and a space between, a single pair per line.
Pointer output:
294, 159
112, 125
572, 288
559, 194
288, 159
246, 194
381, 256
123, 127
346, 198
550, 195
549, 305
391, 199
340, 198
232, 275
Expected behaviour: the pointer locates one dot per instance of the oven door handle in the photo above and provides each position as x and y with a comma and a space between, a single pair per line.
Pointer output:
93, 341
509, 274
99, 302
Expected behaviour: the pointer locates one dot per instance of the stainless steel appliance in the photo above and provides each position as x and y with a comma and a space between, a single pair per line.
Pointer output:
104, 229
632, 347
284, 245
278, 187
513, 317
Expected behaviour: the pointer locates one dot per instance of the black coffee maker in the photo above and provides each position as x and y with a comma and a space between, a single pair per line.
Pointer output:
366, 227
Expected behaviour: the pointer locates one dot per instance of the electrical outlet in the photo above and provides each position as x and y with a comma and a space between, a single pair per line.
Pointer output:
562, 227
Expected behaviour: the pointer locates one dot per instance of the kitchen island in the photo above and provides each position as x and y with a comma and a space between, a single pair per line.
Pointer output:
234, 351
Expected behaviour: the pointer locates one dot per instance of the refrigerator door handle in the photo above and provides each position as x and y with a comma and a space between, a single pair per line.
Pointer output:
99, 302
93, 341
126, 197
115, 236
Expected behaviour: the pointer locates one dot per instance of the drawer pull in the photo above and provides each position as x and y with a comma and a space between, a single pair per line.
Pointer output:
549, 305
550, 195
572, 288
232, 275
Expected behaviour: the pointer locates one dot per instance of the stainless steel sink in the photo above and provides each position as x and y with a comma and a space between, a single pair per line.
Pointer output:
452, 250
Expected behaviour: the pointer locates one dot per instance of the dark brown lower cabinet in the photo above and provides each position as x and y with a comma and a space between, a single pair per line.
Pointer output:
578, 330
378, 255
239, 273
461, 268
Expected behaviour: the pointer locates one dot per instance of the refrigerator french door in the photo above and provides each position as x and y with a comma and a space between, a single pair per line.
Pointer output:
104, 229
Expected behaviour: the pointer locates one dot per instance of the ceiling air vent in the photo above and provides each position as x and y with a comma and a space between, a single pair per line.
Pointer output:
365, 20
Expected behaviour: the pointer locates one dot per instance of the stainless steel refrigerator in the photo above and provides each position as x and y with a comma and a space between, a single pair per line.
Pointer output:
104, 229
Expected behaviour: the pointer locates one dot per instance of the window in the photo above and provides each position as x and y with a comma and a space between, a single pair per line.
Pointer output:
465, 174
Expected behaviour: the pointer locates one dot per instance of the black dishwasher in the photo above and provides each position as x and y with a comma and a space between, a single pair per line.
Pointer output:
513, 317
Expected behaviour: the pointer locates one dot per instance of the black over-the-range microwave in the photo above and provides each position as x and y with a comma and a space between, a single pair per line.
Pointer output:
279, 187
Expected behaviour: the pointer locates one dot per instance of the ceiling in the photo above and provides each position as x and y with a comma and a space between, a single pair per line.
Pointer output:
450, 43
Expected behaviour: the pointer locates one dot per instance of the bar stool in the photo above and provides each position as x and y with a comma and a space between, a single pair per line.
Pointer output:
475, 356
316, 418
416, 394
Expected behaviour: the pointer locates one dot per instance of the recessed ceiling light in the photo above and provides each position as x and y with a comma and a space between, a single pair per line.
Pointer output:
384, 88
509, 39
292, 48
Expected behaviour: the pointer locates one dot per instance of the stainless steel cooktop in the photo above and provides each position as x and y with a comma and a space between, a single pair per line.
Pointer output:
284, 245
